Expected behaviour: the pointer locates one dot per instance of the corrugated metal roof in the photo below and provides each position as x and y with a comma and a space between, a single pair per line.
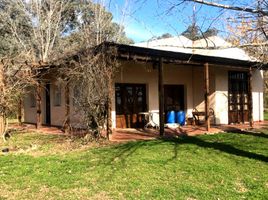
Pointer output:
211, 46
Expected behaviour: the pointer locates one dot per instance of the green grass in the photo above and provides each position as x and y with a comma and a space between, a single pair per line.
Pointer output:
265, 115
221, 166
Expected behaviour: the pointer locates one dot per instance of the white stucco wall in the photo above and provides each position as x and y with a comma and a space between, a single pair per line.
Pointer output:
57, 111
136, 72
221, 95
198, 88
193, 80
76, 117
29, 111
192, 77
181, 75
257, 95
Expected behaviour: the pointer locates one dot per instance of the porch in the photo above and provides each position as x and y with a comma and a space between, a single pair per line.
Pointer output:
233, 94
130, 134
124, 135
159, 81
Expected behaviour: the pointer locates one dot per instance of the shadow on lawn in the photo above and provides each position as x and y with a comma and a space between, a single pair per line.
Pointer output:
226, 148
251, 133
123, 151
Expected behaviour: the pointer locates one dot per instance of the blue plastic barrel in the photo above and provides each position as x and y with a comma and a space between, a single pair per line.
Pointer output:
180, 118
171, 117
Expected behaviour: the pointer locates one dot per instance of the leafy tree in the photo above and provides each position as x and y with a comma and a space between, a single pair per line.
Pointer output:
163, 36
36, 29
193, 32
44, 31
210, 32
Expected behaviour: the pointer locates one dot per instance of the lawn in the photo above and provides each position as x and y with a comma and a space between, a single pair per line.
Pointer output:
265, 115
220, 166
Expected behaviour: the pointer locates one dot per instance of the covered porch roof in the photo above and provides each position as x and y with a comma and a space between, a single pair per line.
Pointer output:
130, 52
158, 57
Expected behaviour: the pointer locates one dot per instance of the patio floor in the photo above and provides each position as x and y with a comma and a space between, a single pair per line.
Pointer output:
123, 135
189, 130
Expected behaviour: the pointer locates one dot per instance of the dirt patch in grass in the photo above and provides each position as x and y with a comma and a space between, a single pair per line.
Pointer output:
40, 144
47, 193
240, 187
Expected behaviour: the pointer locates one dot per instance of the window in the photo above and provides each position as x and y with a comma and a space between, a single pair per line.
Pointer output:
32, 98
76, 94
57, 96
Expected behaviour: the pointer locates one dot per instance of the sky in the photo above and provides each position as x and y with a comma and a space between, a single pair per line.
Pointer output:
144, 19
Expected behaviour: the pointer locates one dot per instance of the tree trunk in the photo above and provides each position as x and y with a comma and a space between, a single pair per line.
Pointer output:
161, 96
20, 112
109, 117
2, 91
206, 79
67, 127
38, 106
2, 125
250, 98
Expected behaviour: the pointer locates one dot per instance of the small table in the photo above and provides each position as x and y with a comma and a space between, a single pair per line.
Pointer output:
150, 122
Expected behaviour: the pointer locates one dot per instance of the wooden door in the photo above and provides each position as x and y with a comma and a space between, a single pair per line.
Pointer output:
130, 100
238, 97
173, 98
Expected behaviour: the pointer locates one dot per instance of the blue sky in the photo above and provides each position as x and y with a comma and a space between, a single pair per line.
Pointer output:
144, 19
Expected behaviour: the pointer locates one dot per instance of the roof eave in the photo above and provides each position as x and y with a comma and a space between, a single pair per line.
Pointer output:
194, 58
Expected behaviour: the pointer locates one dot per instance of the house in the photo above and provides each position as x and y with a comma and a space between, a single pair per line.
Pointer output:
170, 74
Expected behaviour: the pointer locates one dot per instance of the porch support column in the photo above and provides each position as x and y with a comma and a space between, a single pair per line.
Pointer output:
67, 108
206, 76
161, 96
38, 105
250, 101
20, 111
2, 90
109, 116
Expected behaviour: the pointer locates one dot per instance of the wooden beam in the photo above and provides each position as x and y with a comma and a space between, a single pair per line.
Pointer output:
38, 105
250, 101
67, 108
109, 116
20, 111
206, 77
161, 96
2, 88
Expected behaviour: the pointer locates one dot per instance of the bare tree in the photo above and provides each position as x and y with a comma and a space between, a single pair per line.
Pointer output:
91, 76
248, 27
93, 69
30, 31
260, 9
35, 26
46, 32
256, 10
14, 79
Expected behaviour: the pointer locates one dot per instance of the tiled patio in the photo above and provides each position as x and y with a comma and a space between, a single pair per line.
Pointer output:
146, 134
122, 135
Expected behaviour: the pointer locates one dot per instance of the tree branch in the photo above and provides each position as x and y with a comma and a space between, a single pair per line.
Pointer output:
229, 7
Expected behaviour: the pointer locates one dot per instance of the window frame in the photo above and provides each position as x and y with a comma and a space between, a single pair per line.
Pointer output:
57, 95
